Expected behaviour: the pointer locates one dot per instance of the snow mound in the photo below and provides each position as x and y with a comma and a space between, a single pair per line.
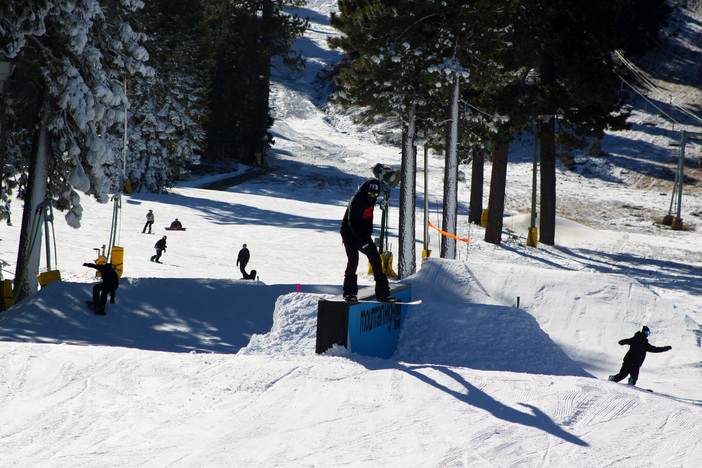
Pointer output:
294, 330
480, 333
566, 230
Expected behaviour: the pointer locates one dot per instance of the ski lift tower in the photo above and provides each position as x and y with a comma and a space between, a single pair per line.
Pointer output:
676, 222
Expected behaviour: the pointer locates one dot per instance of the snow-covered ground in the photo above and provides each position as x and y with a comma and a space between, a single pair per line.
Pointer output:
194, 367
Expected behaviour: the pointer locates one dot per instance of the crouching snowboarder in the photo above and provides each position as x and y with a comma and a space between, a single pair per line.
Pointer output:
638, 347
109, 285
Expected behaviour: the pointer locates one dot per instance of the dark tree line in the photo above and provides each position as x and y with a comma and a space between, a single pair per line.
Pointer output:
242, 37
515, 64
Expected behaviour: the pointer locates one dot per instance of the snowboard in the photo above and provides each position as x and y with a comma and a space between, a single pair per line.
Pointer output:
251, 276
174, 229
632, 386
416, 302
91, 304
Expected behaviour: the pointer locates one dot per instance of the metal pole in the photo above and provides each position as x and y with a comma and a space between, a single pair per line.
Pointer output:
534, 177
426, 200
681, 169
532, 234
115, 216
386, 217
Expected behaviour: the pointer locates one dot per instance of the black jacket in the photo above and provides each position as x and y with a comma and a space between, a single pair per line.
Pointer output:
638, 347
358, 219
243, 257
107, 273
161, 244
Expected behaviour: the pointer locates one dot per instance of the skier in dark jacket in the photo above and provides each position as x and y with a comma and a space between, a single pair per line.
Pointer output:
356, 231
242, 260
160, 247
638, 347
109, 285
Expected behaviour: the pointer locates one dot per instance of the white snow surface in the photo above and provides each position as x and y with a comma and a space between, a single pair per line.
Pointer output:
194, 367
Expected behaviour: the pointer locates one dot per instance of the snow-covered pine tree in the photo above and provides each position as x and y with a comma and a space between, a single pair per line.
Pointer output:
166, 108
72, 57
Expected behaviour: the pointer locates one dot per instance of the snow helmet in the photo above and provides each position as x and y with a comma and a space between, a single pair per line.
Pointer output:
372, 186
645, 330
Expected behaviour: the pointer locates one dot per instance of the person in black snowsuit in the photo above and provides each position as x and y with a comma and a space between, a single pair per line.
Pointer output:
242, 260
109, 285
160, 247
356, 231
638, 347
176, 224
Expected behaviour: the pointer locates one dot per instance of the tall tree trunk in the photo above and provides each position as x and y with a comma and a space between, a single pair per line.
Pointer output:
407, 263
476, 186
496, 202
547, 210
29, 250
256, 142
450, 211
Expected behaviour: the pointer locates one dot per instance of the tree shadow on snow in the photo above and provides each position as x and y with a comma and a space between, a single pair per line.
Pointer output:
157, 314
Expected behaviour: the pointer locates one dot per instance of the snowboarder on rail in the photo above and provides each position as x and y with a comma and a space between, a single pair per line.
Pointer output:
356, 230
638, 347
109, 285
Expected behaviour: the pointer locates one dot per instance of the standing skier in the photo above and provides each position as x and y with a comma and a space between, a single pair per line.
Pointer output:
149, 221
109, 285
356, 231
242, 260
638, 346
160, 247
8, 208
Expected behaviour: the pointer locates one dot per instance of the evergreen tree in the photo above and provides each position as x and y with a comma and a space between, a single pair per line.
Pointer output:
569, 45
167, 108
243, 37
72, 57
388, 73
405, 60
